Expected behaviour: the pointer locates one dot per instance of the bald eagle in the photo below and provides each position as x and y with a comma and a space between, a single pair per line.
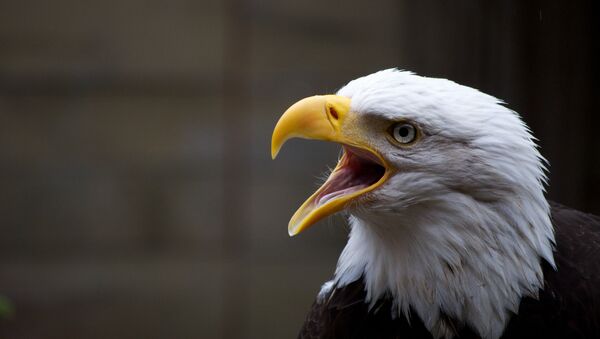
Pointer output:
451, 235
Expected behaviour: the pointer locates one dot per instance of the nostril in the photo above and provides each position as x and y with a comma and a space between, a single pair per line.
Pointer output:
333, 113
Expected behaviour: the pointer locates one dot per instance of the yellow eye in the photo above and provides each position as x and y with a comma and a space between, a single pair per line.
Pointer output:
404, 133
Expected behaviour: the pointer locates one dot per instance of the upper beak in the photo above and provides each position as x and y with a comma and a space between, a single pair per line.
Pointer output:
318, 117
325, 117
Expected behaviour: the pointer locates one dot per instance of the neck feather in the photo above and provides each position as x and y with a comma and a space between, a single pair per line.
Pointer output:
453, 258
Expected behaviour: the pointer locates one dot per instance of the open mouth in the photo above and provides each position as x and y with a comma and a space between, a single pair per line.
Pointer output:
358, 171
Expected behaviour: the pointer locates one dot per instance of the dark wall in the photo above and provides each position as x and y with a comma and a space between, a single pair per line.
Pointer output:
138, 198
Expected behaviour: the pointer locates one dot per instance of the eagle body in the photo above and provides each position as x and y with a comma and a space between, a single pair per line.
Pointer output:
451, 235
567, 307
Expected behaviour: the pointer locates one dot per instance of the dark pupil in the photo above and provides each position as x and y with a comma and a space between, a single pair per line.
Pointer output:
403, 132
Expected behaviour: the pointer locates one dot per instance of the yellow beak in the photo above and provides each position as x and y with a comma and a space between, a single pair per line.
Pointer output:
318, 117
329, 118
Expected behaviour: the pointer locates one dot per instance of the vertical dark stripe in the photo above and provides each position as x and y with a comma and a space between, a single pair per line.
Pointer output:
591, 25
235, 164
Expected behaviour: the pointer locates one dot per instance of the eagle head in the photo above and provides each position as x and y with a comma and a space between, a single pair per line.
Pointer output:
444, 191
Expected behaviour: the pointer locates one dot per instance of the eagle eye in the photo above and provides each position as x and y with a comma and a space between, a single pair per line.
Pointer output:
403, 133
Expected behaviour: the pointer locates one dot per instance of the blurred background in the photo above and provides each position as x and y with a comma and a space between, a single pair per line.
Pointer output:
137, 194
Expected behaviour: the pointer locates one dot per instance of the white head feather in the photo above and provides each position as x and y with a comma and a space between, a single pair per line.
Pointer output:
461, 228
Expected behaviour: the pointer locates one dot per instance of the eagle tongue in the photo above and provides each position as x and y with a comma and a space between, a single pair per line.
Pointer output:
358, 169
